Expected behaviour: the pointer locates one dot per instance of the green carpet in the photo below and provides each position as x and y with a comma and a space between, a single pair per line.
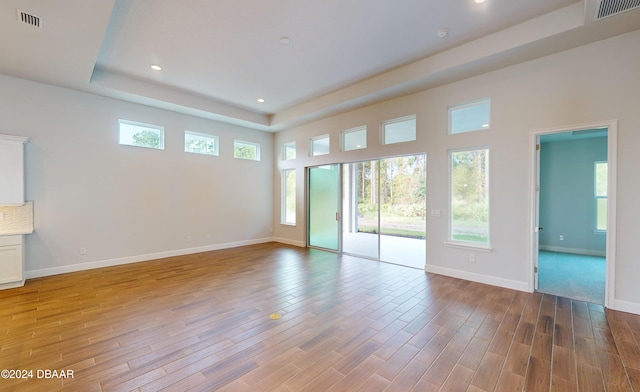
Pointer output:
573, 276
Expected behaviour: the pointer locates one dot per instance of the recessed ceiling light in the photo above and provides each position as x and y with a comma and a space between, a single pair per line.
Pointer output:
443, 33
156, 67
479, 1
485, 125
261, 100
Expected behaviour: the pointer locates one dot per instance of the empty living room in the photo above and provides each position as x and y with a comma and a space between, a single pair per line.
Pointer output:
317, 196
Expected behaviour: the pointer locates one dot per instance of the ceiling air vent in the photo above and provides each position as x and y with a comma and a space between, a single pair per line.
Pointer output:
612, 7
30, 19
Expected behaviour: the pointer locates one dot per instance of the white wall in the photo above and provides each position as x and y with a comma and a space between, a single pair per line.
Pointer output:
124, 203
594, 83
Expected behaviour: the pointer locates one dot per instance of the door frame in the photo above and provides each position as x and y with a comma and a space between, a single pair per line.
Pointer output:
612, 159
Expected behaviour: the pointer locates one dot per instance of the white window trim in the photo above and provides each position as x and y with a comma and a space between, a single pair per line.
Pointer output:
458, 243
216, 139
393, 121
477, 102
313, 139
143, 125
353, 130
257, 145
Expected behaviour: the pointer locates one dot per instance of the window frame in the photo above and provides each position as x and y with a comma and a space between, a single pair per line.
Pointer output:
246, 143
486, 246
312, 142
285, 199
467, 105
216, 140
143, 127
383, 130
343, 138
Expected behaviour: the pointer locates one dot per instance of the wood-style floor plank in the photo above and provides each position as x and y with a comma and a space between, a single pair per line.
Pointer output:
202, 323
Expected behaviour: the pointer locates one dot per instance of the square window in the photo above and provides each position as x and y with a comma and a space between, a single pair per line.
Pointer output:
141, 135
319, 145
200, 143
246, 150
289, 151
354, 139
399, 130
474, 116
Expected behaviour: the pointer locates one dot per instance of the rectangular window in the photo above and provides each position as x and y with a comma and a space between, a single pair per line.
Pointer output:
319, 145
473, 116
601, 195
141, 135
289, 151
469, 201
246, 150
399, 130
200, 143
289, 196
354, 139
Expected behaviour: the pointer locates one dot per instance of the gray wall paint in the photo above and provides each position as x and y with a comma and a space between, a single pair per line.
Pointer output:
557, 91
122, 201
567, 203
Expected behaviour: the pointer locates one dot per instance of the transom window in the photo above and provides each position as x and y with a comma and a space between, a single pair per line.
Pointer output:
141, 135
399, 130
354, 138
319, 145
200, 143
246, 150
473, 116
289, 151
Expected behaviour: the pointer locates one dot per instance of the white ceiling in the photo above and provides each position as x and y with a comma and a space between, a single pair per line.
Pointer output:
219, 57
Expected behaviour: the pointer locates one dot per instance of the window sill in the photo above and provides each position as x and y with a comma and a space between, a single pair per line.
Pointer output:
288, 224
465, 245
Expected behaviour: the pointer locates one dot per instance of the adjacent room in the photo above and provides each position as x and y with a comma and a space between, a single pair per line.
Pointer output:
319, 196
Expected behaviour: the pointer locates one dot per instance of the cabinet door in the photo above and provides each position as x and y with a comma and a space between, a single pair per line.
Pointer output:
11, 172
10, 264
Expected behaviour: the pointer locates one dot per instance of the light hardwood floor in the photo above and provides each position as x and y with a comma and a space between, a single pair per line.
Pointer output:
201, 323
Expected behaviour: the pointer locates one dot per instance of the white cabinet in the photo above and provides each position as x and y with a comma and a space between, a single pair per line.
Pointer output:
12, 169
11, 261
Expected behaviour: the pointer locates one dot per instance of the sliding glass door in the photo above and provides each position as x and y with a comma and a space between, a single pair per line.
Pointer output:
324, 207
360, 226
382, 205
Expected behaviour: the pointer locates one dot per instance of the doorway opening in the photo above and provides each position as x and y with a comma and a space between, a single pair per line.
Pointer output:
574, 212
380, 212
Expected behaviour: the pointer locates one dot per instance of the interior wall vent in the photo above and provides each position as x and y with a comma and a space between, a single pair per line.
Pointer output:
31, 19
612, 7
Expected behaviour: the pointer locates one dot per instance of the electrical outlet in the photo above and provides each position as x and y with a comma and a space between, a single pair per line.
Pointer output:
83, 251
1, 216
435, 212
561, 238
472, 258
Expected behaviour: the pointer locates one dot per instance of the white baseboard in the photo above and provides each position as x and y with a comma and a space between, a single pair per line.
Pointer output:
139, 258
626, 306
577, 251
287, 241
479, 278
